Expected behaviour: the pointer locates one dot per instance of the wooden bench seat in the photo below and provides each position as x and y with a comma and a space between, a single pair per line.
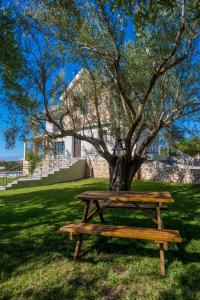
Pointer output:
158, 235
124, 231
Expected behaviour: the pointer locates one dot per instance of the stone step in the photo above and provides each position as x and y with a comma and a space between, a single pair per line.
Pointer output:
65, 173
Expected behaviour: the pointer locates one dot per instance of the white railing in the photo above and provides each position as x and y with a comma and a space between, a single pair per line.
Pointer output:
52, 162
10, 175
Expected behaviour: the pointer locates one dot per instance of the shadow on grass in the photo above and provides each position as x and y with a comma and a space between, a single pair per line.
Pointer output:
186, 286
72, 291
76, 290
30, 220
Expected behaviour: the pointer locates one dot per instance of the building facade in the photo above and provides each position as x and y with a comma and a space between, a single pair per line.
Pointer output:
73, 146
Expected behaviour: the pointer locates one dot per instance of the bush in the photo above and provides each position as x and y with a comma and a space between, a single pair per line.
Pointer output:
33, 160
190, 147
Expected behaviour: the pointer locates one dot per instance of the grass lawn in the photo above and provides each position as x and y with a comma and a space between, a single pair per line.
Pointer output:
36, 263
3, 181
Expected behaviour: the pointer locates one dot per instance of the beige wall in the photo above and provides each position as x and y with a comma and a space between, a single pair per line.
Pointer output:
100, 168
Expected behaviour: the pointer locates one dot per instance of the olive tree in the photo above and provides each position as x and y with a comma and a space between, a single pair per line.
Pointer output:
140, 78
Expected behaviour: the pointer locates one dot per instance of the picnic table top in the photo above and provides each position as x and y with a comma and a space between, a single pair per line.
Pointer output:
156, 197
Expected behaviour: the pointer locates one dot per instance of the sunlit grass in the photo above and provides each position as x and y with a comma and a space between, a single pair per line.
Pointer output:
4, 181
36, 263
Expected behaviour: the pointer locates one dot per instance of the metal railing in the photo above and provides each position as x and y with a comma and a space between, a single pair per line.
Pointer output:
52, 162
11, 175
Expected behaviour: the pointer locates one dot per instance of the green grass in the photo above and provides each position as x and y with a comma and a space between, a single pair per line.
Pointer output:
4, 181
8, 180
36, 263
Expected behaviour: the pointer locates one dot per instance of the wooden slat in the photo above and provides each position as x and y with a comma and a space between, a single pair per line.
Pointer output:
132, 205
124, 231
127, 196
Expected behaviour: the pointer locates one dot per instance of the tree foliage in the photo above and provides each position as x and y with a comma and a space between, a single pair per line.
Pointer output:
136, 87
189, 146
33, 160
10, 55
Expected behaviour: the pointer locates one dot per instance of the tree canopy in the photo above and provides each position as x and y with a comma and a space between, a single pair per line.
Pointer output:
146, 82
189, 146
10, 55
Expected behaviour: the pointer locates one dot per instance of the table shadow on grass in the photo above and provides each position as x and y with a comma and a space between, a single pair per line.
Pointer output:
186, 286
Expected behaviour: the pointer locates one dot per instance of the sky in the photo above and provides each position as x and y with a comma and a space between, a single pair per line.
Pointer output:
5, 154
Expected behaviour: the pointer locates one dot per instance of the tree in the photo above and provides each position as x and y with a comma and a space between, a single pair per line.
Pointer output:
189, 146
11, 65
11, 60
147, 83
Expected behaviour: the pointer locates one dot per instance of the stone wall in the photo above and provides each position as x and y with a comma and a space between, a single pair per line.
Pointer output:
188, 160
154, 170
162, 172
100, 168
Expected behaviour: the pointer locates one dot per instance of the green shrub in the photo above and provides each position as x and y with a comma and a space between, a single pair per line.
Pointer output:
33, 160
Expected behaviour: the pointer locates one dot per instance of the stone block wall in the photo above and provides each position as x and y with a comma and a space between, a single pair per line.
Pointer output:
100, 168
162, 172
154, 170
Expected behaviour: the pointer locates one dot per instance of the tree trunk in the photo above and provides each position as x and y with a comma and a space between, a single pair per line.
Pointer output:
122, 172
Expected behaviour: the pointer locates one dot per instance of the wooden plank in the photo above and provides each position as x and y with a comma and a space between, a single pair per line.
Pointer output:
124, 231
162, 260
163, 197
132, 205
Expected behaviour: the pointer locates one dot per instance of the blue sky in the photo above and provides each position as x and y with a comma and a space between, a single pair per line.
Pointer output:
5, 154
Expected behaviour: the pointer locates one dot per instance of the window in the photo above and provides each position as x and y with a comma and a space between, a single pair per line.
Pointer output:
84, 107
59, 147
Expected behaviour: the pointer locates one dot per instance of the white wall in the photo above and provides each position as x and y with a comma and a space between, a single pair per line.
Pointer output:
68, 143
49, 127
90, 149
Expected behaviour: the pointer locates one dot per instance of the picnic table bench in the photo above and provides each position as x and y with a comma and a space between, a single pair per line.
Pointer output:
145, 201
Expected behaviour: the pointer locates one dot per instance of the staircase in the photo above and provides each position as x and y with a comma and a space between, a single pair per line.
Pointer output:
52, 170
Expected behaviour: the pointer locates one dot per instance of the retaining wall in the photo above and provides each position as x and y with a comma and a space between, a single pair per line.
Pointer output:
162, 172
154, 170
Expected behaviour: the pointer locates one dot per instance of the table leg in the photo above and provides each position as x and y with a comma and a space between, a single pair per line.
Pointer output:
80, 235
160, 222
100, 211
86, 210
158, 217
162, 259
78, 246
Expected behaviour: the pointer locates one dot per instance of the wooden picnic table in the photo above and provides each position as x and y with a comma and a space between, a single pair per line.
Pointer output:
152, 197
136, 200
145, 201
